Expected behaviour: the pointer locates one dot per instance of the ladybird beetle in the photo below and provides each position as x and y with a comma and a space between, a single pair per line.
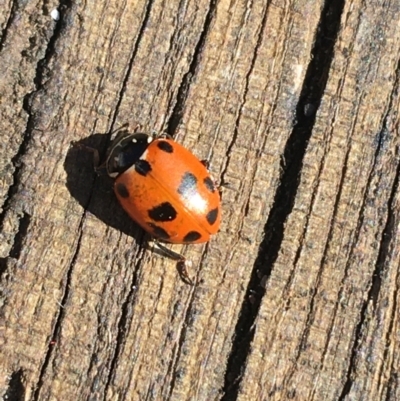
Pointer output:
165, 188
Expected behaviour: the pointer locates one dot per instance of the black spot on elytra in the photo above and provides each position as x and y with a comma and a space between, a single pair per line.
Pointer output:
212, 216
159, 232
122, 190
188, 185
192, 236
163, 212
209, 183
142, 167
165, 146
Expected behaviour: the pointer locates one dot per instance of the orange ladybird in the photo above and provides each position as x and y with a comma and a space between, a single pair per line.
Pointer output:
164, 188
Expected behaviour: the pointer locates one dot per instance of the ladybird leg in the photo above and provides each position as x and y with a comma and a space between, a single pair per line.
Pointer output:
128, 128
123, 127
205, 163
138, 127
123, 131
182, 263
162, 135
225, 184
221, 186
157, 135
93, 151
182, 267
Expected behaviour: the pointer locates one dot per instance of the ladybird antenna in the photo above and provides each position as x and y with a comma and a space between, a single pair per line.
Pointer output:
123, 127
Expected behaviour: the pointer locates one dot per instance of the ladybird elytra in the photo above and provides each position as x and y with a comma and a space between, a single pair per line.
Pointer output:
166, 189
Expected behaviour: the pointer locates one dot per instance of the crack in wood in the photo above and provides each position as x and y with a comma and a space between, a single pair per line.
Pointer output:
123, 324
388, 234
24, 222
58, 318
16, 389
312, 91
132, 57
10, 20
183, 90
41, 71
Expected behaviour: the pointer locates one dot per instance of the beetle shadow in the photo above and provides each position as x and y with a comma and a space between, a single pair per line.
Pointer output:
94, 190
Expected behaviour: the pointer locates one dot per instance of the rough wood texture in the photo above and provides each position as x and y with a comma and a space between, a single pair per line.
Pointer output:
296, 105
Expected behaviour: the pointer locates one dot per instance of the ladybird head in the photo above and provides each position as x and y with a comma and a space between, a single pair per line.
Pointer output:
126, 150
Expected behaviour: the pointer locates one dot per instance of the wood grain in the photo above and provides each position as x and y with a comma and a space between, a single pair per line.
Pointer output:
296, 105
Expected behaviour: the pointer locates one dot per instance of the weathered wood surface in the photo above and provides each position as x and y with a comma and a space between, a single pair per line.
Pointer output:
296, 105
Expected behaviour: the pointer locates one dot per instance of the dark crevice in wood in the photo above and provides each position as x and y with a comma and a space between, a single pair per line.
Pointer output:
172, 371
189, 317
59, 319
331, 326
20, 235
394, 369
311, 94
388, 234
390, 229
311, 313
340, 297
16, 388
392, 384
389, 333
243, 101
358, 335
135, 49
3, 267
16, 161
175, 42
358, 332
10, 21
123, 326
41, 73
176, 115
